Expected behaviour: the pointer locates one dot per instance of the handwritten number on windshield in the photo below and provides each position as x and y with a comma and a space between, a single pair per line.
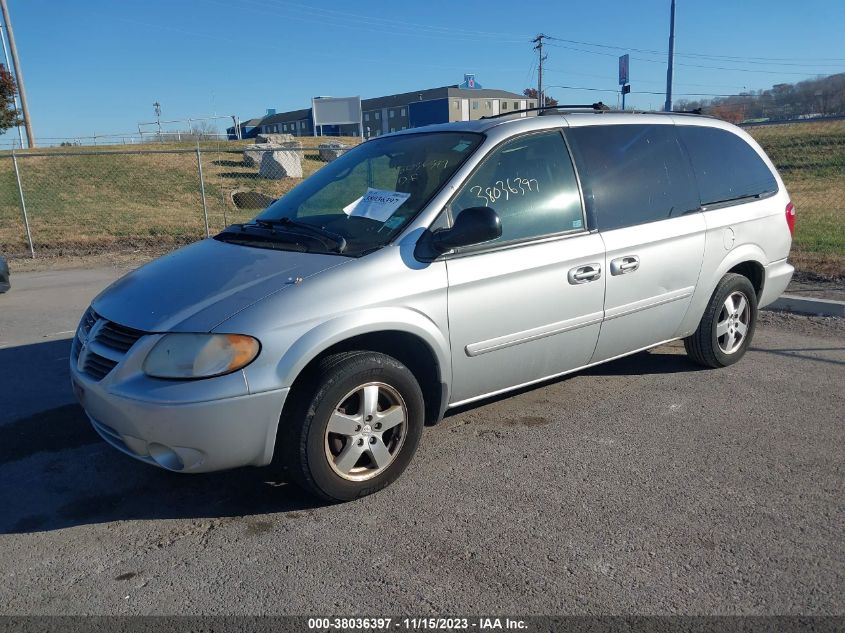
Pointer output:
510, 187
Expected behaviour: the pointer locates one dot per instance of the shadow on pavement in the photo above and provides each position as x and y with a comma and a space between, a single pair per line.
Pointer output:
56, 472
640, 364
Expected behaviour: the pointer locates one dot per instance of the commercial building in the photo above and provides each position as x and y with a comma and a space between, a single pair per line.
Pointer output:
391, 113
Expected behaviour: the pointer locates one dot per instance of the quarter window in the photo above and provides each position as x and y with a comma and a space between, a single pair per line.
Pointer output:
632, 174
530, 183
725, 166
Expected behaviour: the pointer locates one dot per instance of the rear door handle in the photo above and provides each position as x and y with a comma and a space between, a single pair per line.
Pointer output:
623, 265
583, 274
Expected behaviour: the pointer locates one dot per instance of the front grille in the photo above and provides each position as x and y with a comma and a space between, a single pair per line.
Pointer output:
97, 366
101, 344
117, 336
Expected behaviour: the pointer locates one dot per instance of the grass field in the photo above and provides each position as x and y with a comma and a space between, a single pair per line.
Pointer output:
91, 202
811, 160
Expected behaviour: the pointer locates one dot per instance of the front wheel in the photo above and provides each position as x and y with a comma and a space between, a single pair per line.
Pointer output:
359, 428
727, 327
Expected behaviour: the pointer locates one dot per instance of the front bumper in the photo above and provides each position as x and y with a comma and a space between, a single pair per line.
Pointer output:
191, 437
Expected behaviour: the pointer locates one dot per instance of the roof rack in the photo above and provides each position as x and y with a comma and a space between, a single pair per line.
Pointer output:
695, 111
595, 107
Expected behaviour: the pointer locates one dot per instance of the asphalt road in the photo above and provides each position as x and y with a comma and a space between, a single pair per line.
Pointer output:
643, 486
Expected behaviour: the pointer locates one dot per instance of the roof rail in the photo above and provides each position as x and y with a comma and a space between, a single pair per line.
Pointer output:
694, 111
595, 107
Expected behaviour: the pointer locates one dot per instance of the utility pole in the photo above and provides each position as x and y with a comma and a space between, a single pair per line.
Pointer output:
539, 48
667, 107
18, 75
6, 57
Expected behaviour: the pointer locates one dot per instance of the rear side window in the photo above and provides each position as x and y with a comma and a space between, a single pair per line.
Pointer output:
725, 166
632, 174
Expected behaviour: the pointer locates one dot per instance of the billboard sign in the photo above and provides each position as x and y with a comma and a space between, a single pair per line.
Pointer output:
623, 69
336, 110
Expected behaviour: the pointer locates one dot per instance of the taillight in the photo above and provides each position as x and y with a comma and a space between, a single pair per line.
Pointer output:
790, 218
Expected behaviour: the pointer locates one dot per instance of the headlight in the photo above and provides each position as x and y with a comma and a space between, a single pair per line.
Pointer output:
200, 355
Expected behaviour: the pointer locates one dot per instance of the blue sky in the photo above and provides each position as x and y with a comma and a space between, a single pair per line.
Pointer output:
96, 66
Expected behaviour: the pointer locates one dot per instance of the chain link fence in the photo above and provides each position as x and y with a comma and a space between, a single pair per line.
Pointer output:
94, 200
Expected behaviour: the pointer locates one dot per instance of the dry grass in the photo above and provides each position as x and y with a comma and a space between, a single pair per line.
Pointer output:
811, 160
91, 202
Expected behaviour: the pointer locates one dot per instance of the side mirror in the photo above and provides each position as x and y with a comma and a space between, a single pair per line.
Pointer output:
472, 226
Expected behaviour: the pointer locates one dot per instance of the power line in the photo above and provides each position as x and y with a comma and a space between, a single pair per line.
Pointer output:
656, 61
342, 18
650, 92
780, 61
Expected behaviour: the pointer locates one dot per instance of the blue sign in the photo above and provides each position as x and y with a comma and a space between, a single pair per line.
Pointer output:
470, 83
623, 69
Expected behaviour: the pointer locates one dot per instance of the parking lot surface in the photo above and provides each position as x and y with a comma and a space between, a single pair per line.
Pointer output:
643, 486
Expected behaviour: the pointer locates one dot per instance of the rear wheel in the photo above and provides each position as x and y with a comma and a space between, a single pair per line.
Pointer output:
359, 428
727, 326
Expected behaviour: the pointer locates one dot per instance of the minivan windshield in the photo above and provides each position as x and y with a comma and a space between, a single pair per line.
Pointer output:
364, 198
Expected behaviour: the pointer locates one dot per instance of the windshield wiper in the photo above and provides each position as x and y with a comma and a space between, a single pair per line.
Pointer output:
338, 241
235, 234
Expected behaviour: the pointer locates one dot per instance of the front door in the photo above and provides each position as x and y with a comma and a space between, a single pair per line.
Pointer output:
528, 305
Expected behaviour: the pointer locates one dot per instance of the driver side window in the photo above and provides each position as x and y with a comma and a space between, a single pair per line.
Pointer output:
530, 183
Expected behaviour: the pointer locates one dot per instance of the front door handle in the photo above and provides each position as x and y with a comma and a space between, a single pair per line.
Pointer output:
583, 274
623, 265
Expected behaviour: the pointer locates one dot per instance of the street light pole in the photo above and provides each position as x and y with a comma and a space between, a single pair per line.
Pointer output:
18, 75
669, 71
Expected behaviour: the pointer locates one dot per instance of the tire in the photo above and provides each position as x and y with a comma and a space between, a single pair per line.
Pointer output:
723, 335
376, 405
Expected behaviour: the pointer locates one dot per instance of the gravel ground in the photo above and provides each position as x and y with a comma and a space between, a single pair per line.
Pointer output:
645, 486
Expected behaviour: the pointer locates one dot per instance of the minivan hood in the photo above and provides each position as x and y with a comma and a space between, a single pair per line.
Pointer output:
199, 286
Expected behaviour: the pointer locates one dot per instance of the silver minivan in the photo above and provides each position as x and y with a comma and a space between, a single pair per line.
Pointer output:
428, 269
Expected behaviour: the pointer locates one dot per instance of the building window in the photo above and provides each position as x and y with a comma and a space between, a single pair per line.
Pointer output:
516, 105
402, 113
457, 104
474, 104
391, 114
377, 115
302, 125
504, 105
488, 105
392, 129
366, 116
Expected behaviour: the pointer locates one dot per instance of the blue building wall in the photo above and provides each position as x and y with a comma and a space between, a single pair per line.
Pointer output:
428, 112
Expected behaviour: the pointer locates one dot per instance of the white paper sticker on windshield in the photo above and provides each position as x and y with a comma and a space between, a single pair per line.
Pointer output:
377, 204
